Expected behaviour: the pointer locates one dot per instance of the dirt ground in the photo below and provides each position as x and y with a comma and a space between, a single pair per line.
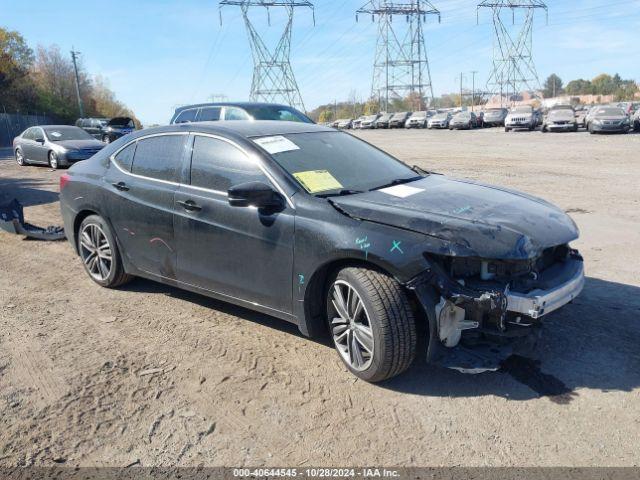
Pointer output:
150, 375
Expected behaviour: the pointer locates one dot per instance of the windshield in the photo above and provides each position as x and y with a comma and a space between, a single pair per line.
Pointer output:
370, 118
419, 115
271, 112
326, 163
463, 115
60, 134
400, 115
441, 116
495, 111
522, 110
561, 113
614, 112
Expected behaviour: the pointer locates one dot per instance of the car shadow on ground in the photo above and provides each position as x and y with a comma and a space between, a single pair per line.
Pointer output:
28, 191
592, 343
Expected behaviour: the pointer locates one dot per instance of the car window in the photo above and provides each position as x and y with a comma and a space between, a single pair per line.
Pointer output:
38, 135
125, 156
29, 134
62, 133
159, 157
332, 161
209, 114
186, 116
271, 112
218, 165
234, 113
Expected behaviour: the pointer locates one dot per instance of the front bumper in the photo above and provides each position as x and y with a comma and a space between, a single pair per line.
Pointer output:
490, 324
562, 127
539, 302
613, 128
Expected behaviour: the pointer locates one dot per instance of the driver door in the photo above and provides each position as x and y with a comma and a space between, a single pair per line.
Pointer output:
241, 252
40, 152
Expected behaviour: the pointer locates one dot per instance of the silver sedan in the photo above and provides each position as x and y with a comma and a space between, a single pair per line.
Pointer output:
54, 145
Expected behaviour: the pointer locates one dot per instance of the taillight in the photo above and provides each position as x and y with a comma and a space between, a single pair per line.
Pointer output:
64, 179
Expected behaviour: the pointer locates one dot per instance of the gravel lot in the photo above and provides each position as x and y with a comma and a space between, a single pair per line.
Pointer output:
150, 375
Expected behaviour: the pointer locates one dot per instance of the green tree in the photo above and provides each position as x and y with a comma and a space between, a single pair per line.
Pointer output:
579, 87
552, 86
16, 59
325, 116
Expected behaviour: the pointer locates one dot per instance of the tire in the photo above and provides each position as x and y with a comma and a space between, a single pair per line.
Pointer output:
544, 129
113, 274
385, 323
20, 160
106, 139
507, 129
53, 160
591, 131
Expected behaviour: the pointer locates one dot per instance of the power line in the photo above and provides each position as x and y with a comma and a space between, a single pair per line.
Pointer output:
273, 79
513, 69
401, 66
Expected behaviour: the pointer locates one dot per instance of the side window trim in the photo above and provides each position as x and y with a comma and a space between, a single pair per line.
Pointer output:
274, 183
187, 159
113, 160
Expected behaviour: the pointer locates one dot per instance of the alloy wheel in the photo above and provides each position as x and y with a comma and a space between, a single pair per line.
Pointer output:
96, 251
53, 160
351, 328
19, 157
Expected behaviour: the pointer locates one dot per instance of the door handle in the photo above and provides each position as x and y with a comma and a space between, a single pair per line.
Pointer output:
121, 186
190, 206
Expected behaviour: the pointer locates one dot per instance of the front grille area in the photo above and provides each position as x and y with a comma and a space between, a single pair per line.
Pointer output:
519, 120
82, 154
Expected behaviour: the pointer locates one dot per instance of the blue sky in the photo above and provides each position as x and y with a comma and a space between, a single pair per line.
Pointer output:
157, 54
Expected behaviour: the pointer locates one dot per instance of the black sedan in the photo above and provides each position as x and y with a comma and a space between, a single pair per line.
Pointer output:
54, 145
317, 227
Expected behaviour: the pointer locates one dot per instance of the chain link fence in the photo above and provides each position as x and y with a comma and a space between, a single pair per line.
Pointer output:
13, 124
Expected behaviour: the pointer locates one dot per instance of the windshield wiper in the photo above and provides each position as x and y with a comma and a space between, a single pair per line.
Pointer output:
340, 193
397, 181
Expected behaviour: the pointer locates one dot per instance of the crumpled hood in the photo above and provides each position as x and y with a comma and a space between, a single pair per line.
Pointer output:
473, 219
80, 144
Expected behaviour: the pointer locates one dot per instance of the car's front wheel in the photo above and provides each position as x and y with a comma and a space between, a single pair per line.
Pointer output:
371, 323
99, 253
53, 160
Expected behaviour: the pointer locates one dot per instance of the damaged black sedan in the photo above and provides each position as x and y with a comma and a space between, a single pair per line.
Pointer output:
316, 227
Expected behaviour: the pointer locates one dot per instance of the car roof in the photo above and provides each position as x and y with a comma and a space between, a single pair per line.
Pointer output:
230, 104
242, 128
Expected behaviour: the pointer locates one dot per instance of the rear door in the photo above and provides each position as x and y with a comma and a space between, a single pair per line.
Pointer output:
240, 252
141, 182
27, 143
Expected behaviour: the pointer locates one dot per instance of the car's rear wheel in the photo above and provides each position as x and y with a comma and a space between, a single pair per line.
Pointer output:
53, 160
371, 323
20, 160
99, 253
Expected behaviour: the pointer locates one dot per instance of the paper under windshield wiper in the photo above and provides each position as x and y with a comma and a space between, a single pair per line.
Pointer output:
397, 181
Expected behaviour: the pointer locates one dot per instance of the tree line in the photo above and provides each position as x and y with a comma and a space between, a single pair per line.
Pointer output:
603, 84
43, 81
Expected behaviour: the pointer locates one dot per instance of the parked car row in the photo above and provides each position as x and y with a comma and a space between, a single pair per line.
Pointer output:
560, 118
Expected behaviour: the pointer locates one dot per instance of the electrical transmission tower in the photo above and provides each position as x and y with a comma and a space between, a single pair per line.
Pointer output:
273, 80
513, 70
401, 66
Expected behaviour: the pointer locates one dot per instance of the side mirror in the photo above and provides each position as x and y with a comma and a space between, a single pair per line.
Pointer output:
40, 140
254, 194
